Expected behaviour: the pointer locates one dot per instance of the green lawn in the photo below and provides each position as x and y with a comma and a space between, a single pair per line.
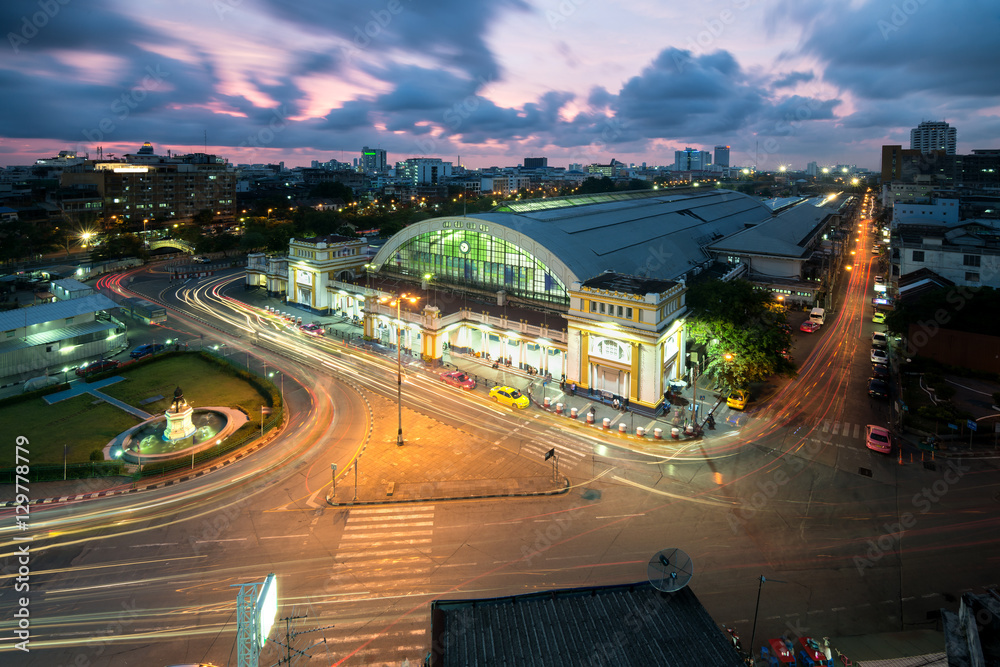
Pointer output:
203, 383
85, 424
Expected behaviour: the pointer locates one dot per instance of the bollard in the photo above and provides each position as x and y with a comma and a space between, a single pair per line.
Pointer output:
622, 428
675, 433
658, 433
548, 402
559, 408
606, 423
590, 417
640, 431
573, 413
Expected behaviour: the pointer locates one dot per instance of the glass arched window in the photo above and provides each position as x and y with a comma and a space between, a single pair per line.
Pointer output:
469, 257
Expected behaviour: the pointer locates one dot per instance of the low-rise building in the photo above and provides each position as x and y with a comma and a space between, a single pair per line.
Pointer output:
58, 335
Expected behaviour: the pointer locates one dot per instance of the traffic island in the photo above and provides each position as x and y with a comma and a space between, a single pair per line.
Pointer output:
437, 462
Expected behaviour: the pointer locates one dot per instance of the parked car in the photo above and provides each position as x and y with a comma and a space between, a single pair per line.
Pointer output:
879, 356
879, 337
97, 367
878, 388
878, 439
810, 327
509, 396
459, 379
880, 371
878, 317
737, 399
143, 350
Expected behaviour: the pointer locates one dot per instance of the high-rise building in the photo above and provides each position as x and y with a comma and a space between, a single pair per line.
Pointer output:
690, 159
933, 135
722, 156
423, 170
812, 169
536, 162
373, 160
145, 190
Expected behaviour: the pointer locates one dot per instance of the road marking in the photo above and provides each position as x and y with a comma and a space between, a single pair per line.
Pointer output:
235, 539
283, 537
826, 426
158, 544
368, 536
836, 427
857, 430
702, 501
420, 508
400, 517
618, 516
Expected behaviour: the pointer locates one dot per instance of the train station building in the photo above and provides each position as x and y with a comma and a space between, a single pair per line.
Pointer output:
590, 287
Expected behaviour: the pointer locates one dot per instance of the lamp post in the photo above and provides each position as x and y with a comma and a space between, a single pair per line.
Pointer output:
281, 378
399, 363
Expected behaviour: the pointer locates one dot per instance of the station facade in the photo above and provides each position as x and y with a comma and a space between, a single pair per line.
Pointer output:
590, 289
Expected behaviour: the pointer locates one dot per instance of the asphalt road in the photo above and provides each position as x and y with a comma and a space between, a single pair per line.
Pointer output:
147, 579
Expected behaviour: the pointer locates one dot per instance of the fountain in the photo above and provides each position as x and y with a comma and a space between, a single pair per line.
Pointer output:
181, 431
178, 416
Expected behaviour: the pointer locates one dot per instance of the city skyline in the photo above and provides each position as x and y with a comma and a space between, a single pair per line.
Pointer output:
269, 81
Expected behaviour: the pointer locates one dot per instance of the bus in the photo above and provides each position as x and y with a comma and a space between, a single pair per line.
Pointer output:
144, 310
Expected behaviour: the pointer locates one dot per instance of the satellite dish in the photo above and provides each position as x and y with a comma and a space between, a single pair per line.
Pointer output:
670, 570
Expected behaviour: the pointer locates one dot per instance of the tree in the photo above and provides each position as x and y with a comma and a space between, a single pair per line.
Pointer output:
742, 329
594, 185
203, 217
122, 245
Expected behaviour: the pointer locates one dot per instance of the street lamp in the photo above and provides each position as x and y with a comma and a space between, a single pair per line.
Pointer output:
281, 377
399, 360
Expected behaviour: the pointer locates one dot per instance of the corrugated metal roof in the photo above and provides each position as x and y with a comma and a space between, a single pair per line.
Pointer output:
613, 625
53, 335
658, 236
47, 312
784, 235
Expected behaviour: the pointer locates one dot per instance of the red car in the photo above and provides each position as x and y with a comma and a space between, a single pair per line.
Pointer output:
809, 327
314, 329
97, 367
459, 379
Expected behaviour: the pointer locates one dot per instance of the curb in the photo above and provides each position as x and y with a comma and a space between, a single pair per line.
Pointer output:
440, 499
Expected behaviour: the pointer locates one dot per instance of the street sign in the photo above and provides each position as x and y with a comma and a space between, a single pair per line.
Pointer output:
953, 427
972, 425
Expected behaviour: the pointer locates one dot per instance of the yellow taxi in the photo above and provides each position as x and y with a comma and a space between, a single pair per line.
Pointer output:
509, 396
737, 399
878, 317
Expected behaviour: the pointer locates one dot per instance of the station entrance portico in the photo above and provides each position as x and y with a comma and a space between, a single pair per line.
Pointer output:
522, 353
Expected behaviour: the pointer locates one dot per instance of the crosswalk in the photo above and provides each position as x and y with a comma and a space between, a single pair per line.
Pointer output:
841, 428
383, 551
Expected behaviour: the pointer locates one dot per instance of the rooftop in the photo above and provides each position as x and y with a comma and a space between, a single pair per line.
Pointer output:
631, 624
47, 312
629, 284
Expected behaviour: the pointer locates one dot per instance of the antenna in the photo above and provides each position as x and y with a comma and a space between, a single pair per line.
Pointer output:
206, 141
670, 570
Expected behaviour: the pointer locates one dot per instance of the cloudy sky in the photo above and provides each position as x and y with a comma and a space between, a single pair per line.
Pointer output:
781, 81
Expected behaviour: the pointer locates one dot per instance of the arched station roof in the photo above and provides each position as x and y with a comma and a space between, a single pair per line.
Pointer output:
652, 234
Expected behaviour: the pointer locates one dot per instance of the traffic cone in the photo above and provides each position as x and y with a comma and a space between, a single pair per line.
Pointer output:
901, 457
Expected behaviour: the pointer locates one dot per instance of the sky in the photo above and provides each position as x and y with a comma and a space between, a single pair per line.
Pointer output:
783, 82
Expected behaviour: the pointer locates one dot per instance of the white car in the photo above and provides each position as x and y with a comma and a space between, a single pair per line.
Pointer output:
879, 356
879, 337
